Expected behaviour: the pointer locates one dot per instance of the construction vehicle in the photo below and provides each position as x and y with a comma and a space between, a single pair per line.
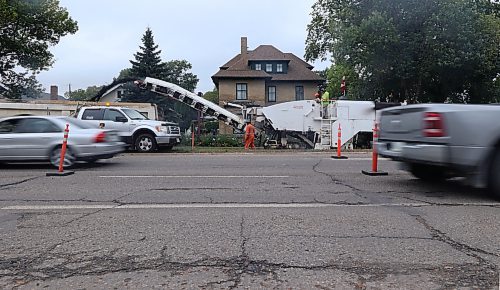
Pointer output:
299, 121
286, 125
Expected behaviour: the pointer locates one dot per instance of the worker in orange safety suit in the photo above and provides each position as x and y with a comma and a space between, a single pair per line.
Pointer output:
249, 135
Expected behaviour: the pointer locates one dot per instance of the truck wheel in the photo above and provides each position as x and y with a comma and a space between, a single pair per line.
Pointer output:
427, 172
69, 158
145, 143
494, 175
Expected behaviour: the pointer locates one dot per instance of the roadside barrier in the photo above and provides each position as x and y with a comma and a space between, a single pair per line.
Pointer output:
61, 171
339, 145
374, 171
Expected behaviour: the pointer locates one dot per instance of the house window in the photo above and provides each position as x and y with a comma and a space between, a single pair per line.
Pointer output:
241, 92
279, 67
271, 94
119, 94
299, 93
258, 66
269, 67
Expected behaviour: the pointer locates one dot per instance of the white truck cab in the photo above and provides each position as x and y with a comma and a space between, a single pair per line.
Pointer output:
135, 129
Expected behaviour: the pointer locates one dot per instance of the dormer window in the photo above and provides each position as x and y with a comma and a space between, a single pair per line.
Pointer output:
258, 66
269, 67
279, 67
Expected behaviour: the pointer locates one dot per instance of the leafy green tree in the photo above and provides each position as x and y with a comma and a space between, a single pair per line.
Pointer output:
419, 51
125, 73
177, 72
28, 29
212, 96
83, 94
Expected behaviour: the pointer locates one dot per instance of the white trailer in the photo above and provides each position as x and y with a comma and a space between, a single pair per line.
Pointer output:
303, 120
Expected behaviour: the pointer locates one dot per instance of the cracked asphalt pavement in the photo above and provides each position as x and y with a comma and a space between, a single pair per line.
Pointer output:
261, 220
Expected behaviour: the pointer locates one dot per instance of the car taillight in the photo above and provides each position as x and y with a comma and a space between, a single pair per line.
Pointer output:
100, 138
433, 125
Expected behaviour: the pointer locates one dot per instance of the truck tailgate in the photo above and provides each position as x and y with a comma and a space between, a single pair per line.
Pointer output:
402, 124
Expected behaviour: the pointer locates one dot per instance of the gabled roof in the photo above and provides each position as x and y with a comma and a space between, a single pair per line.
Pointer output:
112, 89
238, 66
267, 52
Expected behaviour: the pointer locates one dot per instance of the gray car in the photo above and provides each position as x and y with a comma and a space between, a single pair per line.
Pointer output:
39, 138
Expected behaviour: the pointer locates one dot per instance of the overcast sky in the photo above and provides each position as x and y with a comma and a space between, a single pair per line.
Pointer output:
205, 33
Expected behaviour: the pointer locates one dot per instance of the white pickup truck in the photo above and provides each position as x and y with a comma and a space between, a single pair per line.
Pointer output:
437, 141
139, 132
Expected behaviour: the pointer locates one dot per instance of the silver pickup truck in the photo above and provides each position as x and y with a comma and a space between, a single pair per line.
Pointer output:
438, 141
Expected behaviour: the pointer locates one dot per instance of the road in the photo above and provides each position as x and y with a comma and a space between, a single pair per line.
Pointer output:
261, 220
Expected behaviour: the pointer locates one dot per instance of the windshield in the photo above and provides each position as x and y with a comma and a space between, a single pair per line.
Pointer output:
134, 115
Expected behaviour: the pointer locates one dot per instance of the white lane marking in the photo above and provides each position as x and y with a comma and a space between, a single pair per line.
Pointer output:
56, 207
194, 176
227, 205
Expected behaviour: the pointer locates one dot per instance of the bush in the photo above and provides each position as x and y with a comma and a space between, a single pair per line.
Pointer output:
209, 140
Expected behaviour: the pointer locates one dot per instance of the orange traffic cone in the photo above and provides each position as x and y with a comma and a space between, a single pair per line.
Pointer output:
339, 145
374, 171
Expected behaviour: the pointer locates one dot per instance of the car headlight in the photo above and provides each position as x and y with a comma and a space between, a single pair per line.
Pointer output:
163, 129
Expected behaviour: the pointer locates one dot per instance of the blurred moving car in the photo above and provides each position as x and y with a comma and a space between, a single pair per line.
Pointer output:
438, 141
39, 138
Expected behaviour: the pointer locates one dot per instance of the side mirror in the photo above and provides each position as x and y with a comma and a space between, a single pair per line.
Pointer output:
121, 119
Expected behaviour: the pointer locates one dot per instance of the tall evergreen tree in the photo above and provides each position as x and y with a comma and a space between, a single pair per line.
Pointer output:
147, 61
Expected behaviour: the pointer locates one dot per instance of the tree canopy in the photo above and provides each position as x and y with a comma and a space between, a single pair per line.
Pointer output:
83, 94
419, 51
148, 60
27, 29
148, 63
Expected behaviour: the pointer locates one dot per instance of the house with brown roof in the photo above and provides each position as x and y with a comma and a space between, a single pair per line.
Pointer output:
264, 76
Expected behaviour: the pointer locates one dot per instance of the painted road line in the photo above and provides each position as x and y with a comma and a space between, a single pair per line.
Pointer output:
229, 205
58, 207
194, 176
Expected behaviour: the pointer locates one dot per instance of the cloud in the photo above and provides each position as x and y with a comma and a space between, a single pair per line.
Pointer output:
205, 33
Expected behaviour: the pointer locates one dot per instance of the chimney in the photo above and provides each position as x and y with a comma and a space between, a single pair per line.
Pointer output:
244, 46
54, 93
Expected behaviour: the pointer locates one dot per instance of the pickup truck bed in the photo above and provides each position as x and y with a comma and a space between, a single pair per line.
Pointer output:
437, 141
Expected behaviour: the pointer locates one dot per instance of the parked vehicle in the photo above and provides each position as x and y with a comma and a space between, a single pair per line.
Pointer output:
437, 141
135, 129
39, 138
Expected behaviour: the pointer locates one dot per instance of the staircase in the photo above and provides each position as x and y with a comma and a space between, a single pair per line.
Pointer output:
325, 134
